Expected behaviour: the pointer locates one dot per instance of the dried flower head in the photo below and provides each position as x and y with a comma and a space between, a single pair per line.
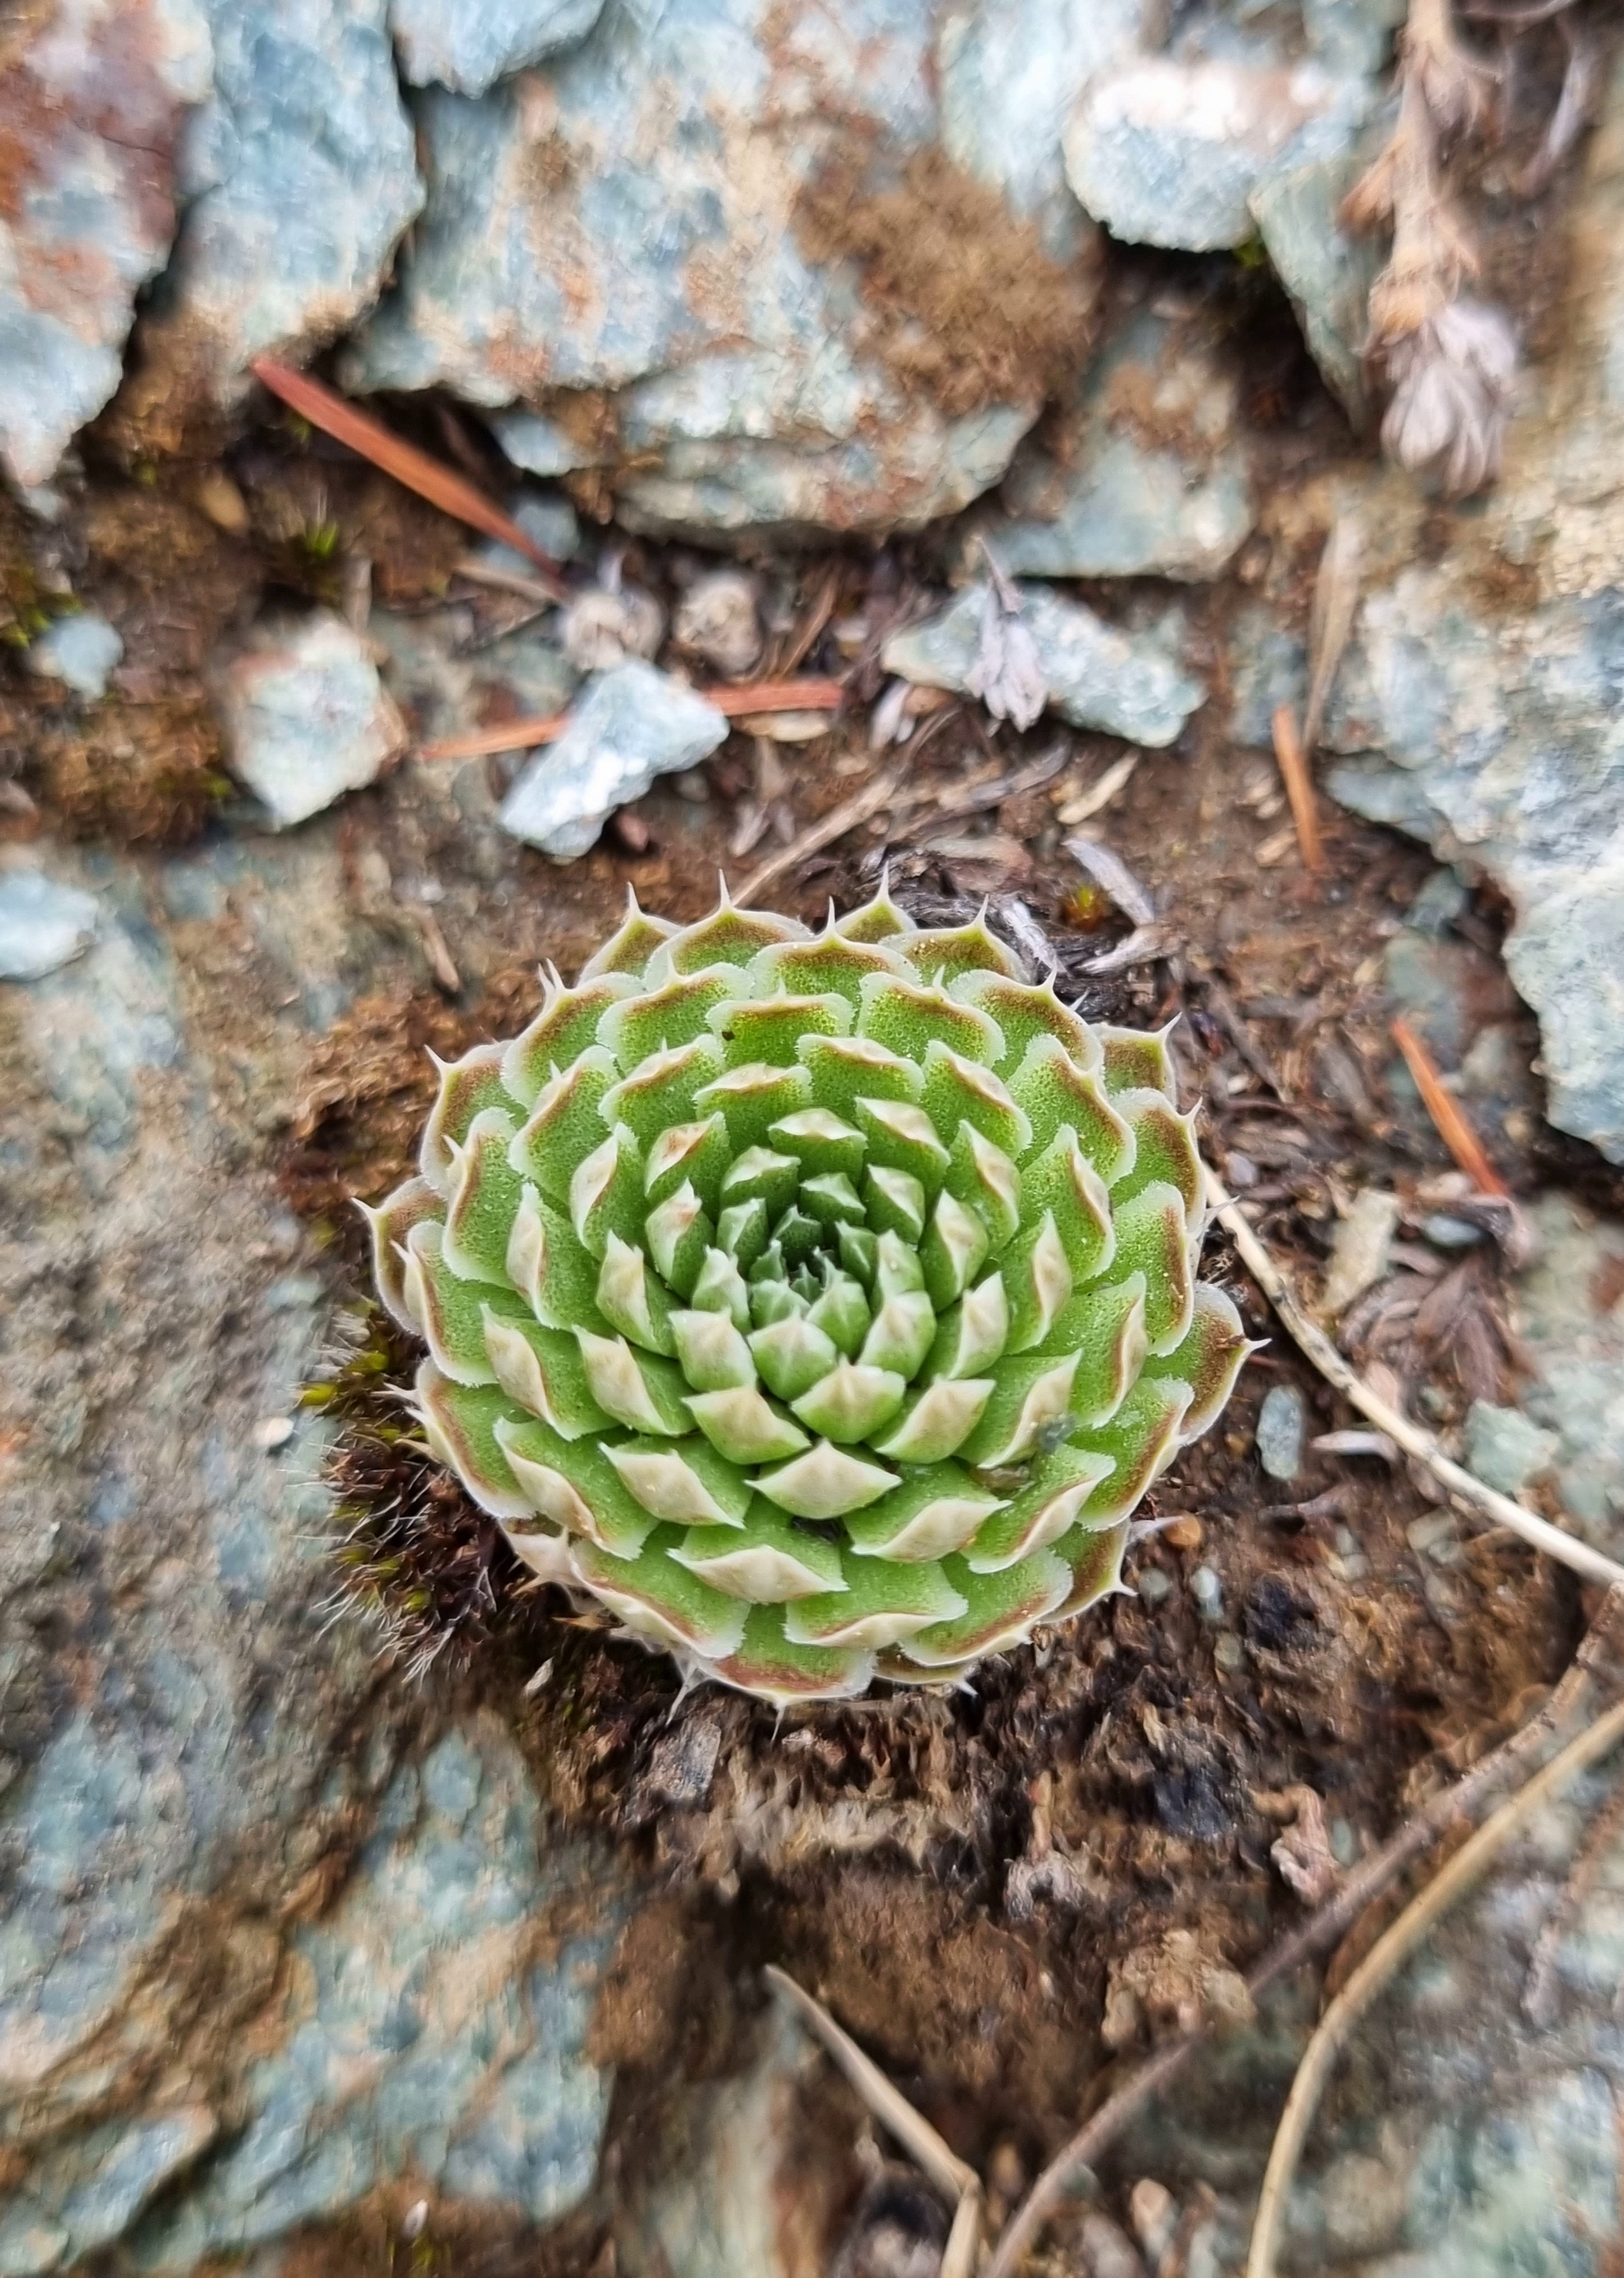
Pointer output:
821, 1305
1454, 386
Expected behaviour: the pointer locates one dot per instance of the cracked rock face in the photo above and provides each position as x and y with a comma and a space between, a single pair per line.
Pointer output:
1491, 726
300, 175
93, 97
261, 1942
624, 224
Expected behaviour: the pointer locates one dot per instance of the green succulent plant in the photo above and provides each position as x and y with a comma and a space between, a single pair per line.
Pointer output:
820, 1304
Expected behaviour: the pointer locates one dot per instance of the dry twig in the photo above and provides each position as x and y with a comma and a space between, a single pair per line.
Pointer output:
884, 790
1469, 1863
734, 702
1313, 1340
1335, 598
1573, 1698
1299, 789
451, 494
1452, 1128
952, 2177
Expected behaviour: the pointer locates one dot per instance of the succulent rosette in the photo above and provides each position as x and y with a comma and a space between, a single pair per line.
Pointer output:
820, 1304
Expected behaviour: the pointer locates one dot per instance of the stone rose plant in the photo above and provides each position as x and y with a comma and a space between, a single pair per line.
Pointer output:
820, 1304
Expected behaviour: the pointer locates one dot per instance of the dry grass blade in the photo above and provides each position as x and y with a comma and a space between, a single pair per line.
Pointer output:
885, 791
1390, 1951
1299, 789
1312, 1341
451, 494
1452, 1128
1335, 601
1571, 1699
959, 2255
733, 703
1101, 792
951, 2176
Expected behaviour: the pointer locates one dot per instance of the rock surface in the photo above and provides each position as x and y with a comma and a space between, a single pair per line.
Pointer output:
1568, 1309
1129, 684
1010, 73
79, 650
306, 717
93, 97
260, 1940
1326, 270
43, 924
1146, 475
1490, 725
737, 2197
626, 225
632, 724
1167, 150
468, 45
300, 176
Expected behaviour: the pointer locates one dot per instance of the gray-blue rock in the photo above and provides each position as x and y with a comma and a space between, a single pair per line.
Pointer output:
306, 717
625, 224
1490, 726
43, 925
266, 1940
632, 724
1567, 1308
1269, 667
1010, 71
89, 208
542, 446
1506, 1448
301, 173
1167, 151
1283, 1420
81, 651
468, 45
392, 2058
1146, 475
1326, 269
1098, 676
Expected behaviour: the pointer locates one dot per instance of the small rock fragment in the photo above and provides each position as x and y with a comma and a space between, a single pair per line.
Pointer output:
1146, 473
306, 718
468, 45
718, 619
81, 651
1506, 1448
43, 925
632, 724
602, 629
1281, 1421
1153, 2212
1360, 1251
1096, 676
1167, 152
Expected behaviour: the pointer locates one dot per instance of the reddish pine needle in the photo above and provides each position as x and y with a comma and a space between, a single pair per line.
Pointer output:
451, 494
749, 696
1452, 1128
1300, 788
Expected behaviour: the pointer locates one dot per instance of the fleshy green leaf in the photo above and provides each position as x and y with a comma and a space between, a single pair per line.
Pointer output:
566, 1026
827, 1482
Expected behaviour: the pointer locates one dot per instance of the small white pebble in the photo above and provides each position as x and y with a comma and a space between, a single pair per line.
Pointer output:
1207, 1589
273, 1431
1153, 1586
1228, 1652
414, 2222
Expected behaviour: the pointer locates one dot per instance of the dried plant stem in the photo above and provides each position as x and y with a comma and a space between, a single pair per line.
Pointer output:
732, 702
1452, 1128
1571, 1699
451, 494
1469, 1863
1313, 1340
1300, 788
951, 2175
884, 790
958, 2256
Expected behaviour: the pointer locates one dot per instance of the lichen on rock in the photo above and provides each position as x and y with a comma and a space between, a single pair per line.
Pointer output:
822, 1305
